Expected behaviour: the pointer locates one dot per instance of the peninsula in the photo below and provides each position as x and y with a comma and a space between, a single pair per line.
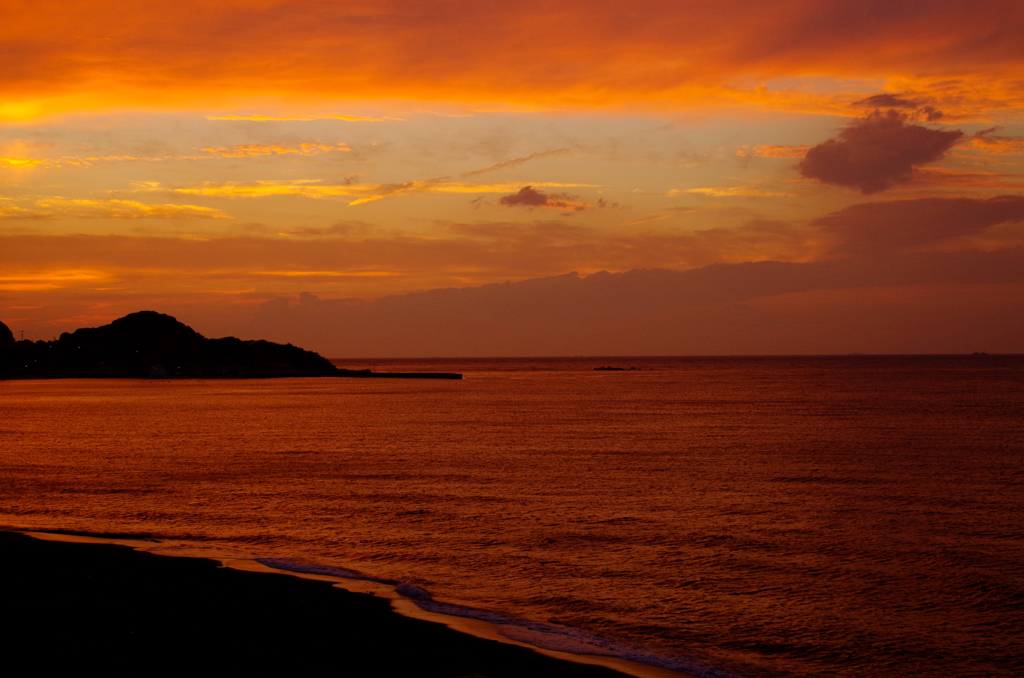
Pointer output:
156, 346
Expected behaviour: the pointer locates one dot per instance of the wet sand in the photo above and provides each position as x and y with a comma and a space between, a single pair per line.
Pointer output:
81, 605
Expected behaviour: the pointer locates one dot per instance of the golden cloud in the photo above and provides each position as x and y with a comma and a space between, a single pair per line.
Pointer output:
773, 151
299, 118
442, 186
363, 193
326, 274
235, 151
9, 211
252, 150
732, 191
263, 190
20, 163
122, 209
33, 281
82, 161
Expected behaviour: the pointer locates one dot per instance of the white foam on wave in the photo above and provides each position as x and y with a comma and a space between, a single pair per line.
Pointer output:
550, 641
412, 591
570, 640
539, 634
289, 565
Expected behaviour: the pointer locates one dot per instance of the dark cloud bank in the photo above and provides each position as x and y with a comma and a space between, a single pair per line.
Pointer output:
876, 152
906, 303
906, 225
881, 291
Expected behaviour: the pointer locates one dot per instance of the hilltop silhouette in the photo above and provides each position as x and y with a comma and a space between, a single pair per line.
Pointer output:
150, 344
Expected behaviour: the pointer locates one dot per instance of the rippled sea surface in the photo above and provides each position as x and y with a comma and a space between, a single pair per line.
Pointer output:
853, 516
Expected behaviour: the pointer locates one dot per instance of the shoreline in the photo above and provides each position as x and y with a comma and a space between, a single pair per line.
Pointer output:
95, 596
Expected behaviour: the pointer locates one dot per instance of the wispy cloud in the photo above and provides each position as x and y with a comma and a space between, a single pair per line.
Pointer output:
928, 178
731, 192
766, 151
9, 211
20, 163
364, 262
37, 281
362, 193
252, 150
234, 151
326, 274
78, 160
54, 208
444, 186
913, 108
989, 142
257, 189
515, 162
300, 118
674, 212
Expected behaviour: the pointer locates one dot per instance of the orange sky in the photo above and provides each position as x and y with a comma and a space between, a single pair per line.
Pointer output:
185, 54
203, 159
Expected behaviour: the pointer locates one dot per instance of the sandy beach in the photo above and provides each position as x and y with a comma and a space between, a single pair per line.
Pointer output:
83, 604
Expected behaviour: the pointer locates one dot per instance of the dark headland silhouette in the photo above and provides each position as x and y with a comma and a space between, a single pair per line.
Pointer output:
154, 345
6, 336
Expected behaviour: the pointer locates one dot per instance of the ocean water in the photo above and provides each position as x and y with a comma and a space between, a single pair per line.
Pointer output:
753, 517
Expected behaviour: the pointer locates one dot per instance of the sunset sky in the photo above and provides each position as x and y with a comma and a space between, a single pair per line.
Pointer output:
215, 160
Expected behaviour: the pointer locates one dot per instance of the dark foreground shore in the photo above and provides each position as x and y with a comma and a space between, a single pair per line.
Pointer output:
102, 605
